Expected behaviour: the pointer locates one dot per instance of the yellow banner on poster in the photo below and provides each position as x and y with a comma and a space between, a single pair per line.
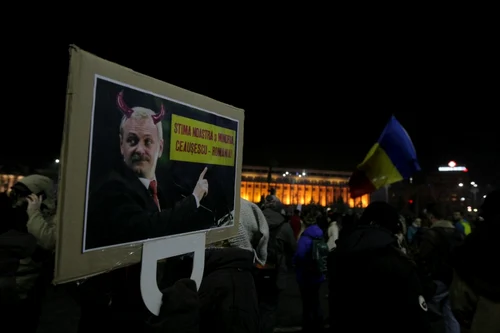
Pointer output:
199, 142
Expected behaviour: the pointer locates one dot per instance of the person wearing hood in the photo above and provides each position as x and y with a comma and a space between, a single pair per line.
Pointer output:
253, 231
35, 195
475, 290
373, 285
309, 276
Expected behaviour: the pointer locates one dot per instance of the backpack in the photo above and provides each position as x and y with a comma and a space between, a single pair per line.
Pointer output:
319, 254
273, 246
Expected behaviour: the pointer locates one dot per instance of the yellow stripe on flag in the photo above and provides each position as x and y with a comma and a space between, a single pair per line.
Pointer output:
378, 168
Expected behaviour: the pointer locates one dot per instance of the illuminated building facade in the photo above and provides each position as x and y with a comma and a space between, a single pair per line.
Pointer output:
7, 181
294, 186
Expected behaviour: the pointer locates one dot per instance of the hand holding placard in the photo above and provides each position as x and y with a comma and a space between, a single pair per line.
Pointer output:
201, 188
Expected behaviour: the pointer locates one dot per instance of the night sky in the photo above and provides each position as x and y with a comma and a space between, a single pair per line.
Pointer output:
314, 108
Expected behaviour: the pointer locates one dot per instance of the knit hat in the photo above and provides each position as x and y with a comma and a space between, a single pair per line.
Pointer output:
272, 202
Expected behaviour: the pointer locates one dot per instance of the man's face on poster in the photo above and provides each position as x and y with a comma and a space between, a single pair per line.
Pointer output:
141, 145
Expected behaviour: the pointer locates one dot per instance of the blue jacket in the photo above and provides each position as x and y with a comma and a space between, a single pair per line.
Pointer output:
303, 257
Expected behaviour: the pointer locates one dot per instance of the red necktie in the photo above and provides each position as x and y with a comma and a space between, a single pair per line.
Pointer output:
153, 188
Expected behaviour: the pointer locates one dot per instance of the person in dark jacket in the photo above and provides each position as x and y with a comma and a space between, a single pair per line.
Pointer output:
475, 290
373, 285
227, 293
309, 277
434, 259
180, 309
15, 244
272, 279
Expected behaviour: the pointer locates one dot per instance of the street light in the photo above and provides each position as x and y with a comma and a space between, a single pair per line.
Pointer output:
57, 161
473, 183
460, 184
462, 199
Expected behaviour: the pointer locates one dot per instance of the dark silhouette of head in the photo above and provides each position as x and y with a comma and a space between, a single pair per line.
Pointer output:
381, 214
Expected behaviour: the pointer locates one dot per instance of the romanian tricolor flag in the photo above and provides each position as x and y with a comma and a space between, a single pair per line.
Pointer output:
390, 160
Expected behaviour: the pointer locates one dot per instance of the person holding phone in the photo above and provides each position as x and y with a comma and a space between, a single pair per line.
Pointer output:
35, 194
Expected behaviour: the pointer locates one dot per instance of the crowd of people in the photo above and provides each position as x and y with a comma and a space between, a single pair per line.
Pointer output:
384, 272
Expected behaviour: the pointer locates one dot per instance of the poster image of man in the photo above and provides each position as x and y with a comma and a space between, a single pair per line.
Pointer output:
145, 180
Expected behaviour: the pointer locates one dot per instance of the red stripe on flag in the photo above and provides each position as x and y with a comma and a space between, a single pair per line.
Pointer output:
359, 184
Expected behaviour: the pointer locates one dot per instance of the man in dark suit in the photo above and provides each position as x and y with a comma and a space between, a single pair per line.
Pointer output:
128, 206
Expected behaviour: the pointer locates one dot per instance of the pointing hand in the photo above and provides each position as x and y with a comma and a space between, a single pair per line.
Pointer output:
201, 188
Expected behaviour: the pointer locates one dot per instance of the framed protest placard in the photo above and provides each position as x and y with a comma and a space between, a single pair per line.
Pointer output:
137, 159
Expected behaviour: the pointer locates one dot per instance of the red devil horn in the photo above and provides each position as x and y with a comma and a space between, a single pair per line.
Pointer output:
159, 116
123, 107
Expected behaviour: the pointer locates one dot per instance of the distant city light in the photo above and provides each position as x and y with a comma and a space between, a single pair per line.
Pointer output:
462, 199
57, 160
458, 168
475, 210
452, 164
461, 184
